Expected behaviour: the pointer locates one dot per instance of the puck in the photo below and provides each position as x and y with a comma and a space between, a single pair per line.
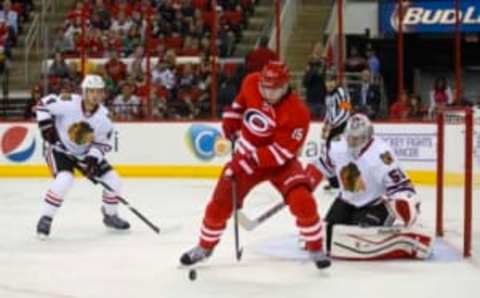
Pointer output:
192, 274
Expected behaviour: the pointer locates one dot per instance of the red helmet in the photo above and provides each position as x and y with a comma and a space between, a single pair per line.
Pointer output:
274, 79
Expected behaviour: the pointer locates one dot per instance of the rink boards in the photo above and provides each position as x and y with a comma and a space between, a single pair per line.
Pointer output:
196, 149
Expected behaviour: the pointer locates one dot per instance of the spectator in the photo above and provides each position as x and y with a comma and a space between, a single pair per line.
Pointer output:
136, 67
59, 67
121, 23
3, 61
355, 62
30, 108
115, 68
164, 74
61, 43
400, 109
159, 102
416, 110
127, 106
366, 96
256, 59
9, 16
440, 96
314, 81
373, 63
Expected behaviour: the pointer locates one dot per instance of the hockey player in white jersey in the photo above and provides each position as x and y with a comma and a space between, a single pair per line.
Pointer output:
374, 191
78, 130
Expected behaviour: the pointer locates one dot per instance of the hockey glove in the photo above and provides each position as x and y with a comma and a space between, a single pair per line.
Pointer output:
231, 123
48, 131
242, 163
91, 166
406, 207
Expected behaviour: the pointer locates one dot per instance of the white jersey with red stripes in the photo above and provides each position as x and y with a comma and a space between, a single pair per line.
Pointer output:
69, 114
375, 173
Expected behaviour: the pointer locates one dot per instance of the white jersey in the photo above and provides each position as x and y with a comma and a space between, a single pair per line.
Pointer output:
374, 174
79, 133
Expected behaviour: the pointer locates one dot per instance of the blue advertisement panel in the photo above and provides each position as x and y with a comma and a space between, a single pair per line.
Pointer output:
429, 16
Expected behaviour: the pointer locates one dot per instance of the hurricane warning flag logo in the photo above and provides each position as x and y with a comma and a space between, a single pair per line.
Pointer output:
206, 142
18, 144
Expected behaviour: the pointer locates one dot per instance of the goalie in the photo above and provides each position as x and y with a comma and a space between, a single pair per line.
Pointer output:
374, 212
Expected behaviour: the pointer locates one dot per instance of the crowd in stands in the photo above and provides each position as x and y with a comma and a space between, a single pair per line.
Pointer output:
122, 33
13, 13
364, 72
120, 30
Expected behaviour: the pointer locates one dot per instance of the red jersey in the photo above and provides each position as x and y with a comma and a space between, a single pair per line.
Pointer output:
274, 134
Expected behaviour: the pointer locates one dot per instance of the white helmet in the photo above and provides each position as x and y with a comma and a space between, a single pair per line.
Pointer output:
92, 81
358, 133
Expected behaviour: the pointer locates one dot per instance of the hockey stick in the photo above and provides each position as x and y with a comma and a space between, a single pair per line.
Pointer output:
238, 249
250, 224
122, 200
110, 189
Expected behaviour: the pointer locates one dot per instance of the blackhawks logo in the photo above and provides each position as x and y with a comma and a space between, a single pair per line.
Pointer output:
386, 158
352, 178
81, 133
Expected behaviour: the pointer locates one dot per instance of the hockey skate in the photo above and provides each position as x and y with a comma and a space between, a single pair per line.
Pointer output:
114, 221
195, 255
43, 226
320, 259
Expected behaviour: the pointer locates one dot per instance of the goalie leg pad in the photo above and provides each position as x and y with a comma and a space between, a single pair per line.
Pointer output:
380, 243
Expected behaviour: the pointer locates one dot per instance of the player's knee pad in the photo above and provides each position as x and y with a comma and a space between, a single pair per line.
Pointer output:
112, 179
62, 183
302, 204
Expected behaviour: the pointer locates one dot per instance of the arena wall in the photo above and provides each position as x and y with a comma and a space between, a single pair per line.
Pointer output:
196, 149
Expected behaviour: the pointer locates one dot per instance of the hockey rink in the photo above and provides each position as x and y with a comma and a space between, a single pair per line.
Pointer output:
84, 259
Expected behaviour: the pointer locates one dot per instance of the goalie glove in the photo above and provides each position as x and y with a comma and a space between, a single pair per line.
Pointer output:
48, 131
406, 207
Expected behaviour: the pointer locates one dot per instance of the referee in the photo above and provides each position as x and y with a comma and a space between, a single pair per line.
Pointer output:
337, 114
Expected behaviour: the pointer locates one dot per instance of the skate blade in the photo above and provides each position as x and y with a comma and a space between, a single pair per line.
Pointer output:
42, 237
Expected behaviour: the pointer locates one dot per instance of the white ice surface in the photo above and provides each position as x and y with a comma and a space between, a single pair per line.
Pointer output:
84, 259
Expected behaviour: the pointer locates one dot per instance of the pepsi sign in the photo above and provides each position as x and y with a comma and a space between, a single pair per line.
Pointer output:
429, 16
18, 144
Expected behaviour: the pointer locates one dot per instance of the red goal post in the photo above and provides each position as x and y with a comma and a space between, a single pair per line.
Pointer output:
456, 131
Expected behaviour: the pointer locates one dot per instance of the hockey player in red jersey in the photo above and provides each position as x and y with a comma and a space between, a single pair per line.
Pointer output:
269, 123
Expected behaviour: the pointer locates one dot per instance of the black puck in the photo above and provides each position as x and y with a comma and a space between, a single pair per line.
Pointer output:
192, 274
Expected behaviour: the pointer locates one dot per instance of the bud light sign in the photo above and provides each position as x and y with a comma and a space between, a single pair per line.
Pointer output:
430, 16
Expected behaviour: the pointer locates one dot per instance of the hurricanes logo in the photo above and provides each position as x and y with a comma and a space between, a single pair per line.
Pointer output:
258, 123
81, 133
18, 144
206, 142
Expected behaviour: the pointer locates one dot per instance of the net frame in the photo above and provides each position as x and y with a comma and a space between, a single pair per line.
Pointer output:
464, 117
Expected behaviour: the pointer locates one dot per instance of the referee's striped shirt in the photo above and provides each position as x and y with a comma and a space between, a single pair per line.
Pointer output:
338, 107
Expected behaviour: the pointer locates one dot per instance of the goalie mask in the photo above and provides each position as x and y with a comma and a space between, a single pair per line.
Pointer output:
358, 133
273, 84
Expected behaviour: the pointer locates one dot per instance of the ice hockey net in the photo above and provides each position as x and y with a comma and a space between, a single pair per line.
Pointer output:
458, 158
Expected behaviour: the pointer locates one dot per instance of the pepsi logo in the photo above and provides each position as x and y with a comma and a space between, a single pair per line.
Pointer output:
18, 143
